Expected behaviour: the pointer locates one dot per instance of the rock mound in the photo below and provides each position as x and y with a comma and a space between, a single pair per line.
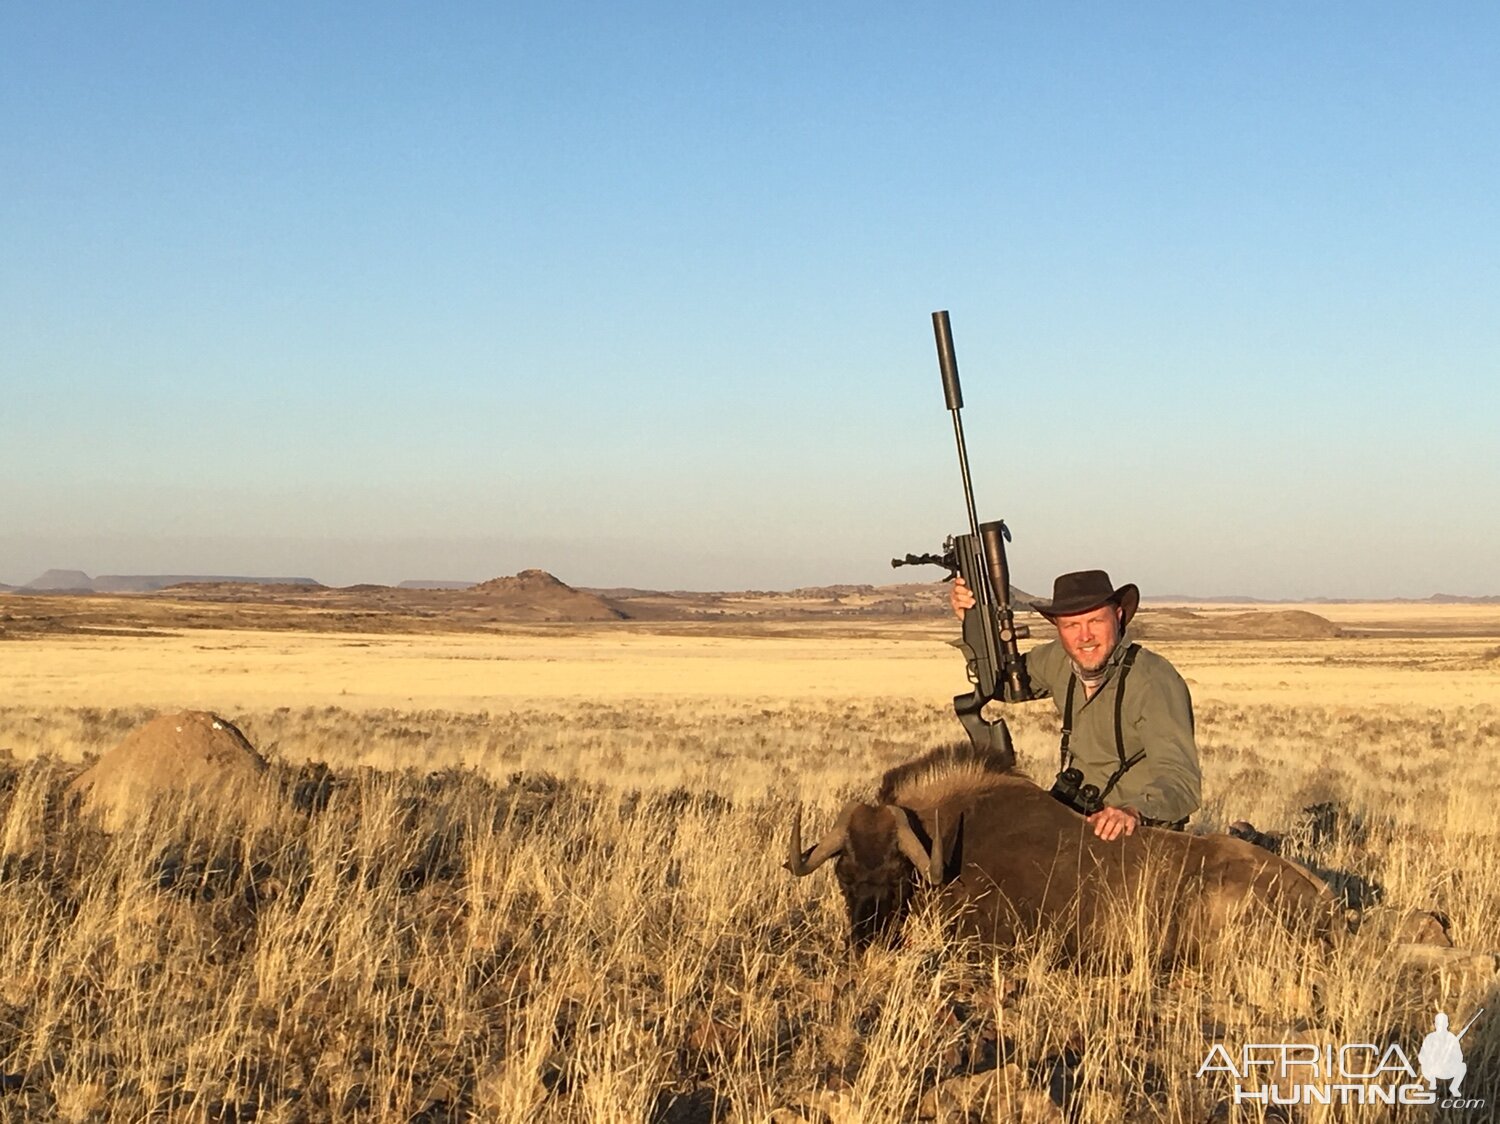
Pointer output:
1257, 624
193, 752
1282, 624
537, 595
527, 582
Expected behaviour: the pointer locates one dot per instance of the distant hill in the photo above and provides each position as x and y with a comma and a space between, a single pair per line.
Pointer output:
535, 598
537, 595
150, 583
1288, 624
76, 581
242, 589
58, 581
904, 600
1161, 622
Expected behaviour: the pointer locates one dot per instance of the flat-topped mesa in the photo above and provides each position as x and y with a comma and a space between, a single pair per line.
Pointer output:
153, 583
59, 581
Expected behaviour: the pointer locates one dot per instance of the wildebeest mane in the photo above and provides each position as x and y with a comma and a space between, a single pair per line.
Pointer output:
948, 770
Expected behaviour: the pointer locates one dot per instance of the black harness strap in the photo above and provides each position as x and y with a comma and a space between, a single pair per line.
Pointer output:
1125, 766
1067, 725
1064, 757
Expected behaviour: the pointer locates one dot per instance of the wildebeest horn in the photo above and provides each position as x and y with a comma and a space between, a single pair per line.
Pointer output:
929, 863
831, 844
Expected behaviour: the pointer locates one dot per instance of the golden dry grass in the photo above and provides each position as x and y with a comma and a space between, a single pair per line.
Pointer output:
248, 670
545, 884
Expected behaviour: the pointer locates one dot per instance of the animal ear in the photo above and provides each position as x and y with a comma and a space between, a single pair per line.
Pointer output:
927, 861
953, 851
945, 854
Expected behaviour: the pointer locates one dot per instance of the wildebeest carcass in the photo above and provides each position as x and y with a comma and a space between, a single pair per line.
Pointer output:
1013, 861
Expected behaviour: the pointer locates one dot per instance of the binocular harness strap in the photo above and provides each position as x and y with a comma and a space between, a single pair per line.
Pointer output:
1065, 755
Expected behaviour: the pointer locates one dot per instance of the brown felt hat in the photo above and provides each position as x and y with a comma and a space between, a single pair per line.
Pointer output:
1086, 590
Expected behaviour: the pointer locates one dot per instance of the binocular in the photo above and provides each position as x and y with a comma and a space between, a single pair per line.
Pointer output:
1070, 789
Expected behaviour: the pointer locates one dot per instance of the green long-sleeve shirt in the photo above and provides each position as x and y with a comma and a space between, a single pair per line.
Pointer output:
1157, 717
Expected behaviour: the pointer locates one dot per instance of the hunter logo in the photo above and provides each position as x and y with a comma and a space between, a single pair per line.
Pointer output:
1355, 1073
1441, 1056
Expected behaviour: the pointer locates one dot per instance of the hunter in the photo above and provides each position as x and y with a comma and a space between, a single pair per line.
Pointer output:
1127, 715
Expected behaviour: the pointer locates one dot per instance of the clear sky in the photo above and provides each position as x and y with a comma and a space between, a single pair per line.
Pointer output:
640, 293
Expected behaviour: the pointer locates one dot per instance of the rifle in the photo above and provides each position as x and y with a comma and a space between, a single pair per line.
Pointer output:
1470, 1023
990, 632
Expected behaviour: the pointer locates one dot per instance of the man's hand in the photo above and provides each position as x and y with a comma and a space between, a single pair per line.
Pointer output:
961, 597
1111, 823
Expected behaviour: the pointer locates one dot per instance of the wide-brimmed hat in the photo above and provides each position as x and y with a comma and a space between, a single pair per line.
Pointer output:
1086, 590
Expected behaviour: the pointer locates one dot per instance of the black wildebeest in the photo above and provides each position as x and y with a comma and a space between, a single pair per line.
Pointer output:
1012, 860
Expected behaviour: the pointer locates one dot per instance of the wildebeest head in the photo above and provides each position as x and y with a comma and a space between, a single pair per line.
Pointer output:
882, 852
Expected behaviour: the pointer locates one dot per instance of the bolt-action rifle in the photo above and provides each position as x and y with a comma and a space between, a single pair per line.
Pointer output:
990, 632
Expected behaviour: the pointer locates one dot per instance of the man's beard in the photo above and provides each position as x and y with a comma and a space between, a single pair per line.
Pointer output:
1093, 673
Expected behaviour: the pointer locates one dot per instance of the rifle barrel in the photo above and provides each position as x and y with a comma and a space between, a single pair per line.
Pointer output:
947, 360
1470, 1023
953, 395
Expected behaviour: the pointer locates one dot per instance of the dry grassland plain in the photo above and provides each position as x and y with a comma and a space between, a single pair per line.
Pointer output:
537, 878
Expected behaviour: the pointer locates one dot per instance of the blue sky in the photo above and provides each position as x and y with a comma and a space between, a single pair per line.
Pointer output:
640, 294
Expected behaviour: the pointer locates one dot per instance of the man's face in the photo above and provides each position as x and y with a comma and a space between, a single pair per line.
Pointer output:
1090, 637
